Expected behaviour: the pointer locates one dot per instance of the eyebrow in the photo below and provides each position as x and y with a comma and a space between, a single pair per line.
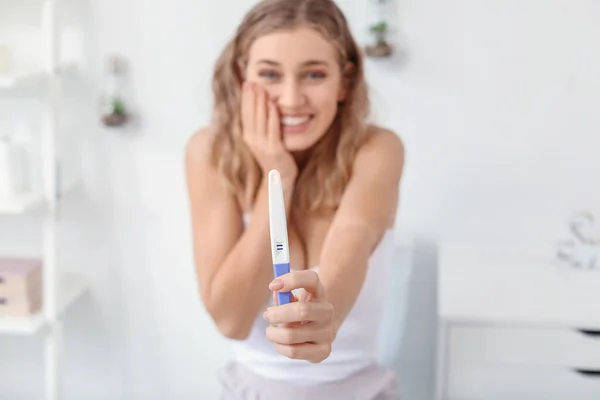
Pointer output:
310, 63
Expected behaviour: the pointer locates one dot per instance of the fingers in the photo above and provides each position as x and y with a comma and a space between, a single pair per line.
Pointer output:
305, 279
313, 353
274, 124
305, 328
260, 118
302, 295
292, 297
296, 335
300, 311
248, 111
260, 127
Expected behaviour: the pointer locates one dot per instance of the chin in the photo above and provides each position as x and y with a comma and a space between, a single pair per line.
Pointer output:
298, 142
295, 145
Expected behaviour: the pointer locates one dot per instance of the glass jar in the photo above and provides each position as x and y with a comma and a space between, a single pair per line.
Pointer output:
114, 112
379, 29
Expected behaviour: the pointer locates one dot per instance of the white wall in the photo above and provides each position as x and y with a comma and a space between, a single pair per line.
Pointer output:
496, 102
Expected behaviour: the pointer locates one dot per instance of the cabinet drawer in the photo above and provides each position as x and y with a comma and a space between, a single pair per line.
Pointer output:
523, 383
524, 346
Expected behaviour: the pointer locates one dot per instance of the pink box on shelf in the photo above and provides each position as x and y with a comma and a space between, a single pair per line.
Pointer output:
20, 286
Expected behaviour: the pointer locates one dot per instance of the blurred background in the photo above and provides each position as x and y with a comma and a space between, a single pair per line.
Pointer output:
498, 106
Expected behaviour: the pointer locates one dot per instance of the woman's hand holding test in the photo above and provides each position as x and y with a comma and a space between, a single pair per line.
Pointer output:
305, 328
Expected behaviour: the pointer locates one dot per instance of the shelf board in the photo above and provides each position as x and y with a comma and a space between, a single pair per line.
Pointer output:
26, 75
23, 203
72, 287
19, 204
20, 77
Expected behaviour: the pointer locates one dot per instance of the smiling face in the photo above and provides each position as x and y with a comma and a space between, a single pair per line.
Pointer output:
301, 72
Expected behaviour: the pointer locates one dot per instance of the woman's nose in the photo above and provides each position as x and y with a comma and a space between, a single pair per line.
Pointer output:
290, 95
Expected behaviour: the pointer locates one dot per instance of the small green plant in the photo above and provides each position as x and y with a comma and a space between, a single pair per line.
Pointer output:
116, 114
379, 30
381, 47
118, 107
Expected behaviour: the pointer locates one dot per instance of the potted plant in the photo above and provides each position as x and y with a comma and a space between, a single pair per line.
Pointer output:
113, 108
116, 114
381, 48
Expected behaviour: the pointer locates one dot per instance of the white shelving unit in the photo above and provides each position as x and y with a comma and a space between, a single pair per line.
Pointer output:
59, 289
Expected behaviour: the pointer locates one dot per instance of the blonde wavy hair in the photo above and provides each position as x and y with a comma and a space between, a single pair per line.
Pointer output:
322, 181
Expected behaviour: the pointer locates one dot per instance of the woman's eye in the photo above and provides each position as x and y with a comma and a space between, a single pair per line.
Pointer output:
269, 74
315, 75
274, 75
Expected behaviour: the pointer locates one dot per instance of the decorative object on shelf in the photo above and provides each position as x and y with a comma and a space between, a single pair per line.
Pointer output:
16, 163
379, 31
20, 286
113, 108
5, 60
582, 250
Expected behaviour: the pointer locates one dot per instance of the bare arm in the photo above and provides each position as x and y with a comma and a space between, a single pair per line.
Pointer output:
233, 264
367, 210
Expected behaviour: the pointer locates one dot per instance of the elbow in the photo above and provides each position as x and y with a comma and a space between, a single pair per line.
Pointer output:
231, 325
231, 330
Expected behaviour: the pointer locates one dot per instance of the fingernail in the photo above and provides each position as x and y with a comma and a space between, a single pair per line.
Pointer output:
276, 284
266, 316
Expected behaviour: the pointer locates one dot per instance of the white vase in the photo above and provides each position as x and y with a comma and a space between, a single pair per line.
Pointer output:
15, 167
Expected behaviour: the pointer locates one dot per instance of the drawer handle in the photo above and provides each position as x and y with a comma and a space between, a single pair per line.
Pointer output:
589, 332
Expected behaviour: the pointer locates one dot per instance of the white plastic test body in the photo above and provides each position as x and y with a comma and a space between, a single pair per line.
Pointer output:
280, 248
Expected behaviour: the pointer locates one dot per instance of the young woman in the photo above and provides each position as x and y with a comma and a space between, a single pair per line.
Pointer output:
290, 95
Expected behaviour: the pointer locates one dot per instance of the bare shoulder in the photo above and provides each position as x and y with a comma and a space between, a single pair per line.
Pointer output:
198, 147
200, 171
371, 197
382, 151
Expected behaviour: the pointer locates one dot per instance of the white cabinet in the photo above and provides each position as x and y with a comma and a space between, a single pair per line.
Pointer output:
515, 324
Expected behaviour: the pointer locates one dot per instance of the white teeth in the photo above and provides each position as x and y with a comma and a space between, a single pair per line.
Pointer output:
294, 121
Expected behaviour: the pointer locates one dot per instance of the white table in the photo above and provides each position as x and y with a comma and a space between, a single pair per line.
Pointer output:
514, 324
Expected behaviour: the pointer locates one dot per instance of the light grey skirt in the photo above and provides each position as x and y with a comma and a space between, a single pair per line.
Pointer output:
373, 383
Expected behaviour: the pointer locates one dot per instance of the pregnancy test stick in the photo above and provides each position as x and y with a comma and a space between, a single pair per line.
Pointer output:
280, 248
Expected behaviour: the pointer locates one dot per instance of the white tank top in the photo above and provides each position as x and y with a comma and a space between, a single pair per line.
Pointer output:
355, 346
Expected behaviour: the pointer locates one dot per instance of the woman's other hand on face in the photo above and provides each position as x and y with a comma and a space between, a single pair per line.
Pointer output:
262, 132
305, 328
